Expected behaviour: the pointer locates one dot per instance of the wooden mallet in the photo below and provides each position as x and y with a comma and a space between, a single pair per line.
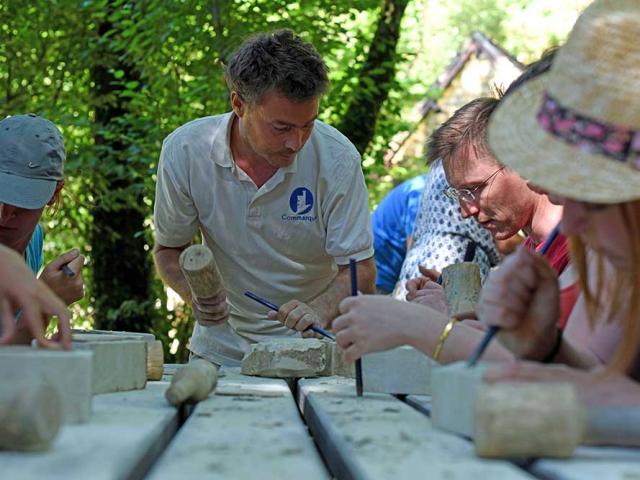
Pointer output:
200, 270
192, 383
30, 417
516, 420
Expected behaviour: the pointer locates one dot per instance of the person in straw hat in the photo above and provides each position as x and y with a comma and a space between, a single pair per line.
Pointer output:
575, 132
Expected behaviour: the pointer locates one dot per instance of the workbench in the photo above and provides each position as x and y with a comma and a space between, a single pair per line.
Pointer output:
262, 428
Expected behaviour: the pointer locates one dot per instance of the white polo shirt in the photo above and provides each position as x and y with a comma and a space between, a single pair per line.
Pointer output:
281, 241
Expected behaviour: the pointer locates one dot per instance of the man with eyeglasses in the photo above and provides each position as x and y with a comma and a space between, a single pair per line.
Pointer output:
468, 195
499, 199
442, 237
503, 203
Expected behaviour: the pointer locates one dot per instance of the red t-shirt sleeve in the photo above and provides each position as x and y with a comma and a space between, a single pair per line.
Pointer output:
558, 257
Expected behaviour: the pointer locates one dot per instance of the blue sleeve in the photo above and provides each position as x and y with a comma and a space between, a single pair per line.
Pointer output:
33, 254
412, 211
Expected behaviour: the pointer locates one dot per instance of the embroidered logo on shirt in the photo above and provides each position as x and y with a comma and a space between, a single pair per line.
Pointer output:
300, 203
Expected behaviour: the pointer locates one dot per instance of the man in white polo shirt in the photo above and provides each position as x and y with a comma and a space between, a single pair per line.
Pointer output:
278, 196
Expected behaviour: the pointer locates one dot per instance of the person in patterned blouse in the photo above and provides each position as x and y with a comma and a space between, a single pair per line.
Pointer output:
440, 234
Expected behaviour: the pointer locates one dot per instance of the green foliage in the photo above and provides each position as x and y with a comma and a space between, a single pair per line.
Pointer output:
376, 77
165, 58
433, 31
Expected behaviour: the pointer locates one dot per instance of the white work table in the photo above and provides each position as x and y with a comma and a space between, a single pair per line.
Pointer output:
271, 429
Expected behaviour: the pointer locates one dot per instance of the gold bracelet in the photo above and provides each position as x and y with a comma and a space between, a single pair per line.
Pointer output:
445, 333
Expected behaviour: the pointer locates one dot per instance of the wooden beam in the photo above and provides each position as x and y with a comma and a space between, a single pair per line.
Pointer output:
126, 433
243, 435
379, 437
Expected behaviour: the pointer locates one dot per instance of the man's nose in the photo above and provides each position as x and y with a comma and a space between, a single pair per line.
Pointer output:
294, 140
468, 209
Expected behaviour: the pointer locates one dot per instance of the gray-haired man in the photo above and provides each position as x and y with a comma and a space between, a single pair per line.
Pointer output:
278, 196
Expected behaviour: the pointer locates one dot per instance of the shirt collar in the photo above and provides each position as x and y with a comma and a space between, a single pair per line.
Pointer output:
221, 143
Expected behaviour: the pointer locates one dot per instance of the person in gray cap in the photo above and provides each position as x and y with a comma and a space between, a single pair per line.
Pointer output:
32, 155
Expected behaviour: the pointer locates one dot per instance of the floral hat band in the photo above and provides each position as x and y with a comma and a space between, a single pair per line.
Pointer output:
589, 135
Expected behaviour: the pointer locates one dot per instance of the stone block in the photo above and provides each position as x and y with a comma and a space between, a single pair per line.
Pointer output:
69, 372
155, 350
118, 365
80, 333
338, 366
287, 357
461, 283
402, 370
454, 390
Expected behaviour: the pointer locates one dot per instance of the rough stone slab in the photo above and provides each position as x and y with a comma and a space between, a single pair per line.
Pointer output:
243, 436
379, 437
453, 401
69, 372
236, 384
124, 429
287, 357
118, 365
339, 366
106, 335
592, 463
402, 370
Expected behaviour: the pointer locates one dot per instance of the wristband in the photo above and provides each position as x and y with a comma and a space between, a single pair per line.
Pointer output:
443, 337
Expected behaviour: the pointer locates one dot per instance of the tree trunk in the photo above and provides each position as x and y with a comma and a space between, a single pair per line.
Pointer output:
120, 265
376, 77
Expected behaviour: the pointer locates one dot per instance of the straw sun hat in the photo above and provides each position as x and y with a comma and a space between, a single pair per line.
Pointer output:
575, 131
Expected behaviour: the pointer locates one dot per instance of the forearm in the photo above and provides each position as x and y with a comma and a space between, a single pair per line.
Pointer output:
168, 267
326, 304
459, 344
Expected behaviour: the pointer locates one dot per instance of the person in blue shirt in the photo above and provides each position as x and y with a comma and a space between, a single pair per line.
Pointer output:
32, 155
392, 224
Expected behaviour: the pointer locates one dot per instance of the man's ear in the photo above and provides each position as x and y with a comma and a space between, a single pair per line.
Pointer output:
237, 104
56, 192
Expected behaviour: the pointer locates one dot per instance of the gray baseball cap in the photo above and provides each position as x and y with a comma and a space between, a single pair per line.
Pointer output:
32, 155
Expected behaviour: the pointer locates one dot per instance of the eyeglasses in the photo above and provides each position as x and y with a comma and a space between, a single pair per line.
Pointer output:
469, 195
